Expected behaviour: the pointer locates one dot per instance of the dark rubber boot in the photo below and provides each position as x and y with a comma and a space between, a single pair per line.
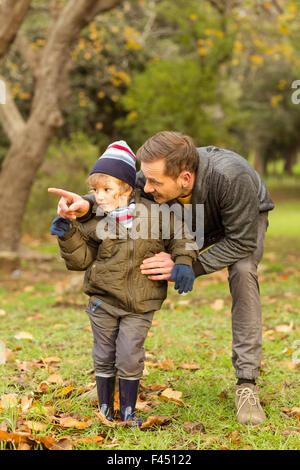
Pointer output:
128, 390
106, 391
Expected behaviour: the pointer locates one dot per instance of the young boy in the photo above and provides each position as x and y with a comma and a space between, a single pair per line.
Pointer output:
122, 300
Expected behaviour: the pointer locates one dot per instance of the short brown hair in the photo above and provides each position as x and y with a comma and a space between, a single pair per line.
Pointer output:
96, 178
178, 150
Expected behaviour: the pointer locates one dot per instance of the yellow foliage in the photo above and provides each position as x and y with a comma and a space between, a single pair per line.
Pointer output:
202, 51
100, 94
238, 46
193, 17
99, 126
284, 29
275, 100
235, 62
132, 115
257, 59
282, 84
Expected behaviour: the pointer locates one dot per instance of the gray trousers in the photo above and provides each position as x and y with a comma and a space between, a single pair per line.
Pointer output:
119, 338
246, 309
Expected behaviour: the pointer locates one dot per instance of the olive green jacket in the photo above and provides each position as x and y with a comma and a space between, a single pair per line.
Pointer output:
112, 265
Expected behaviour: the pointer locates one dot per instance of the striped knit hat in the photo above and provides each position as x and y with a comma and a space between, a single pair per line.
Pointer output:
118, 160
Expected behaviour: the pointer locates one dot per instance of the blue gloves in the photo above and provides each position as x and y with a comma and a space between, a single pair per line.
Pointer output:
60, 226
184, 277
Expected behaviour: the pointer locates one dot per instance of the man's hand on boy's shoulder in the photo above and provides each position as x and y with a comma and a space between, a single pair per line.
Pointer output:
70, 205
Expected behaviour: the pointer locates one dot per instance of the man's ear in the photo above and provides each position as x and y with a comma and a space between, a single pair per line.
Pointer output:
185, 177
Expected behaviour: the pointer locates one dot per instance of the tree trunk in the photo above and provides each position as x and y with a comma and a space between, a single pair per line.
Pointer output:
31, 140
290, 160
259, 163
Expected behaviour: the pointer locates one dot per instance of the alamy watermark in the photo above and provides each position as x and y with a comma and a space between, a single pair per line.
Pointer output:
2, 92
160, 221
296, 94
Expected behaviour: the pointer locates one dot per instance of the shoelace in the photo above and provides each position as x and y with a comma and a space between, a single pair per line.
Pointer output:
246, 394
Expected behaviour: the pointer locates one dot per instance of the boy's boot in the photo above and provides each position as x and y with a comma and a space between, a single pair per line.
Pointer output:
128, 390
106, 390
249, 410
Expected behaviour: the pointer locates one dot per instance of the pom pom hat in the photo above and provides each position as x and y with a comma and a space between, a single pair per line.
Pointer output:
119, 161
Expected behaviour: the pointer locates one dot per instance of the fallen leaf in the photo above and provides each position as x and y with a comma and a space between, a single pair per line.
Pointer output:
172, 395
43, 386
189, 366
70, 422
26, 402
24, 335
155, 387
10, 400
284, 328
218, 304
35, 426
64, 391
105, 421
55, 379
62, 444
155, 420
193, 427
35, 317
16, 437
51, 359
234, 437
87, 440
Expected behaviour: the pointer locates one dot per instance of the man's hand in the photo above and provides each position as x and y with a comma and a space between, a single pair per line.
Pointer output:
158, 267
70, 205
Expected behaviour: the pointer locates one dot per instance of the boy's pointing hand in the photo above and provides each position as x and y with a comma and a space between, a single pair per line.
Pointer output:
70, 205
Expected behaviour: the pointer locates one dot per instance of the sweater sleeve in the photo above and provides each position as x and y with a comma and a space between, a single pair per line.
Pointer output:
239, 209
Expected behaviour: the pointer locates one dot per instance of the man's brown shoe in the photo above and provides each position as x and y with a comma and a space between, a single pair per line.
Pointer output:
249, 410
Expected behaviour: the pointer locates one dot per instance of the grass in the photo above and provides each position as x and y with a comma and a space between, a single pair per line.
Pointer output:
188, 329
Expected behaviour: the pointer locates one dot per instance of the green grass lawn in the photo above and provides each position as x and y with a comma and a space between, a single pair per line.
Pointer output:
190, 329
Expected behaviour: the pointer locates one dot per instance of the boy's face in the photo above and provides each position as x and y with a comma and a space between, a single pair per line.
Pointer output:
108, 194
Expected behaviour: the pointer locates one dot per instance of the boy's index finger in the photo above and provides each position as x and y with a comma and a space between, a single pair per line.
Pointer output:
61, 192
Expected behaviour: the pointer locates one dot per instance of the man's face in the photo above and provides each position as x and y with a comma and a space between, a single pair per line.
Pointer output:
162, 187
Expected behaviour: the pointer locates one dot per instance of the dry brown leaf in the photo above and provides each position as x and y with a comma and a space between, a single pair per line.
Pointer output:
155, 387
143, 406
43, 386
51, 359
35, 317
62, 444
284, 328
24, 335
103, 419
16, 437
55, 379
87, 440
35, 426
218, 304
189, 366
26, 402
172, 395
70, 422
64, 391
9, 400
155, 420
193, 427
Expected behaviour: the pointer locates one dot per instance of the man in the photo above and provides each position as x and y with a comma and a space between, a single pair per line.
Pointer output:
236, 204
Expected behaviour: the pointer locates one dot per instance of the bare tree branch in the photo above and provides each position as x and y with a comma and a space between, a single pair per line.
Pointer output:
12, 14
10, 117
30, 57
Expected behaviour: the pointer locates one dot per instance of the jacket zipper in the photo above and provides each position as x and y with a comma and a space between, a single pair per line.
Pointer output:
129, 277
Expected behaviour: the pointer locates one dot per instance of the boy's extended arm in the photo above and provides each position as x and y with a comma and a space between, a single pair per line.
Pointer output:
77, 249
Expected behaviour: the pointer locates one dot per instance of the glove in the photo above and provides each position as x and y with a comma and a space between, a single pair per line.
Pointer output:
184, 277
60, 226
